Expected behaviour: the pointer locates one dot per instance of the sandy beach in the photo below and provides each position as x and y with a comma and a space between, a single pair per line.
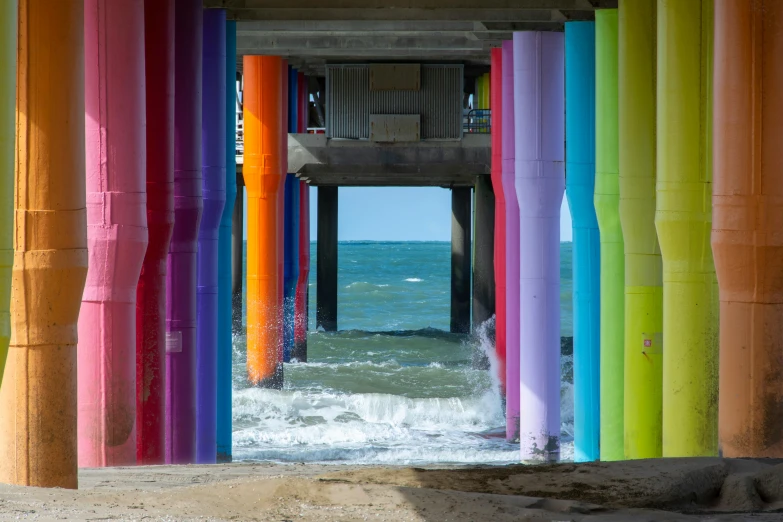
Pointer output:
655, 490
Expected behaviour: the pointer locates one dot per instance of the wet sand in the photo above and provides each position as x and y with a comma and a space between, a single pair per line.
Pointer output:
652, 490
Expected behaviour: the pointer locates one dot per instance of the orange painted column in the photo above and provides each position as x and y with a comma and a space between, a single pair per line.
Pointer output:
747, 227
38, 394
263, 173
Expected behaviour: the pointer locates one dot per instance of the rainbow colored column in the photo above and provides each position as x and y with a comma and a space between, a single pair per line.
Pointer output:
151, 291
213, 186
302, 283
683, 218
539, 115
291, 226
512, 245
263, 173
224, 341
640, 404
116, 230
500, 214
580, 87
38, 402
181, 278
607, 207
8, 21
746, 227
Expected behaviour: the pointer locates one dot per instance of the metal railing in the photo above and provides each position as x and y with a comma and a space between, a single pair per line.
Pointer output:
478, 121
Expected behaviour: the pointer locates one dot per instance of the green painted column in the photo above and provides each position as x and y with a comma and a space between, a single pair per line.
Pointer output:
643, 276
683, 218
607, 208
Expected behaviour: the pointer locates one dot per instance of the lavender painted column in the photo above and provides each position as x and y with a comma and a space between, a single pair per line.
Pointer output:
181, 271
512, 248
539, 119
213, 184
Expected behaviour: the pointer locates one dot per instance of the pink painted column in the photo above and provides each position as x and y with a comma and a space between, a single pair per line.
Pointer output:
539, 122
116, 230
512, 246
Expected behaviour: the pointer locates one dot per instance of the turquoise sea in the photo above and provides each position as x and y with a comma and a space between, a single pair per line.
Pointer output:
392, 386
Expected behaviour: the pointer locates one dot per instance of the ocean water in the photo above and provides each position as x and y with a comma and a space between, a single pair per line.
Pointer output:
393, 386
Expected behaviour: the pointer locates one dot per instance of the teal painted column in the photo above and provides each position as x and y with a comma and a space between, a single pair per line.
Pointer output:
580, 185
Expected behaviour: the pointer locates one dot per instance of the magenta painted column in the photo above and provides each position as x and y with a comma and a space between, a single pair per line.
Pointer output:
116, 230
539, 122
512, 247
181, 277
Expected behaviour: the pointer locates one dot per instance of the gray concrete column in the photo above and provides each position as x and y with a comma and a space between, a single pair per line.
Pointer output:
460, 259
237, 254
326, 284
484, 252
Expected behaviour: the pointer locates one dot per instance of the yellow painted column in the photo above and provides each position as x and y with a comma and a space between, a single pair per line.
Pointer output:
683, 218
643, 269
38, 394
8, 21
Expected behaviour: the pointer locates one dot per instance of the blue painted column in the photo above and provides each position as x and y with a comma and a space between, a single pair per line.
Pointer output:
213, 186
291, 227
224, 344
580, 184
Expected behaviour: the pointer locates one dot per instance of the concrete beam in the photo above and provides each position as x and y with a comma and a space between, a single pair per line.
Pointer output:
270, 43
320, 161
363, 14
435, 5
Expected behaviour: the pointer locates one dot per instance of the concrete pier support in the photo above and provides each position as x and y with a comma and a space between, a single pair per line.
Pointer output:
483, 252
461, 198
540, 183
237, 254
512, 245
213, 154
326, 299
264, 173
8, 23
38, 396
580, 92
640, 436
151, 291
746, 233
116, 230
683, 218
225, 266
188, 204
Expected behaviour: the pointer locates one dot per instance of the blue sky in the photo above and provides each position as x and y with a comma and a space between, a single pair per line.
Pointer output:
398, 214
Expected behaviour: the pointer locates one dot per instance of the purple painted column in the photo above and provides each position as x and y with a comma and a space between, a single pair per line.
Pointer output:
539, 121
213, 154
512, 249
181, 270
